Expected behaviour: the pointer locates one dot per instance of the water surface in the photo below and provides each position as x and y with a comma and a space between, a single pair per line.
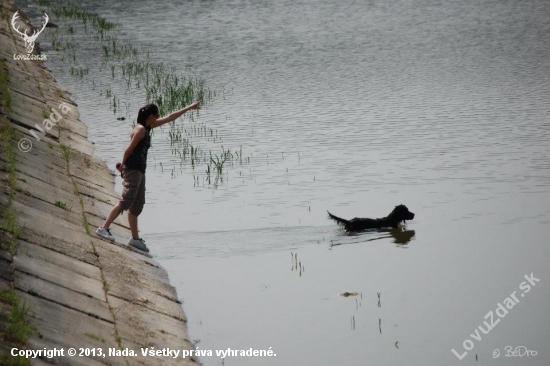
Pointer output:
352, 107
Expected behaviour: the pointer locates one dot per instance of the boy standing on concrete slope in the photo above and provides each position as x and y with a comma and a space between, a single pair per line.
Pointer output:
132, 168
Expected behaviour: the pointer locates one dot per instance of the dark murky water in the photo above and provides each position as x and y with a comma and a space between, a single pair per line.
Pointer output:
351, 107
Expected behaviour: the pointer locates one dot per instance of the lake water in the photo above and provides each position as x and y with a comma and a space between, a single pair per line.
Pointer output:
352, 107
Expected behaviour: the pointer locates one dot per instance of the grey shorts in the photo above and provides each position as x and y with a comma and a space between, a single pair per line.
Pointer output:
133, 191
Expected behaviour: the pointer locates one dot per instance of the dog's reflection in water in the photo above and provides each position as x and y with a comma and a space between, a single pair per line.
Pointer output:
401, 236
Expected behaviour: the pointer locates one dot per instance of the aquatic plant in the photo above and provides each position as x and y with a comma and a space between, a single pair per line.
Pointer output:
79, 72
163, 85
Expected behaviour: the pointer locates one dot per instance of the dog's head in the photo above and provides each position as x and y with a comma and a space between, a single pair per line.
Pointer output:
402, 213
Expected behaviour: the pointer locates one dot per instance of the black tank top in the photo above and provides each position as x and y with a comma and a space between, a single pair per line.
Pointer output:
138, 158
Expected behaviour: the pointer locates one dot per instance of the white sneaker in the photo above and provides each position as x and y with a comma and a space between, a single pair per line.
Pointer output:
105, 233
139, 244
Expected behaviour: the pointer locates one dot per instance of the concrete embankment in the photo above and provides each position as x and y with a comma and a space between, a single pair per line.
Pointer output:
81, 291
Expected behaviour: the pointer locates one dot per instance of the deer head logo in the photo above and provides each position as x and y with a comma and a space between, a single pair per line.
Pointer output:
29, 40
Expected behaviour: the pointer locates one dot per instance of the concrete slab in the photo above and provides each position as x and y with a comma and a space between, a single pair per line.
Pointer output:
161, 361
28, 108
154, 321
63, 296
121, 241
149, 300
63, 277
42, 223
57, 190
41, 165
6, 272
130, 279
81, 251
72, 217
4, 254
54, 323
4, 284
139, 327
59, 259
135, 256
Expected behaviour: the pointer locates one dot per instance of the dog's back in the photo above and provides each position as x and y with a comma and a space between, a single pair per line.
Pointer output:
399, 214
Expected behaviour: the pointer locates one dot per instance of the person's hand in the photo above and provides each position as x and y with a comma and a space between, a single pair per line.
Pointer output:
196, 105
119, 168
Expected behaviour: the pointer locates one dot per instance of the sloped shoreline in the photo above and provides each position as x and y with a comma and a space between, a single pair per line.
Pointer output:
82, 292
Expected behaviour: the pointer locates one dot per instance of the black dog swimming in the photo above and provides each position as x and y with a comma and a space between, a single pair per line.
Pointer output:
399, 214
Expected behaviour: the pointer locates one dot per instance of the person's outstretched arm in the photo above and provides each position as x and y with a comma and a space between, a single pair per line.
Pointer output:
174, 115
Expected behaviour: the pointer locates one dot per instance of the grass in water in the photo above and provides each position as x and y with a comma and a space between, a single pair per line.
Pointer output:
134, 66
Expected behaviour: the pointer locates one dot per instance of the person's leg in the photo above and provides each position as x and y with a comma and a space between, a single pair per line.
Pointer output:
133, 222
130, 187
112, 216
103, 230
133, 213
135, 209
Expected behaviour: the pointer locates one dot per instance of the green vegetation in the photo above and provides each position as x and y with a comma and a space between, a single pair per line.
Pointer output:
9, 225
66, 155
96, 337
7, 135
22, 190
5, 96
134, 66
62, 205
85, 221
67, 9
17, 328
79, 72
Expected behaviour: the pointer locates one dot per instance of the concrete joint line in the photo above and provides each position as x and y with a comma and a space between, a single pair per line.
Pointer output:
112, 310
40, 199
47, 134
135, 302
32, 293
57, 284
28, 96
35, 177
